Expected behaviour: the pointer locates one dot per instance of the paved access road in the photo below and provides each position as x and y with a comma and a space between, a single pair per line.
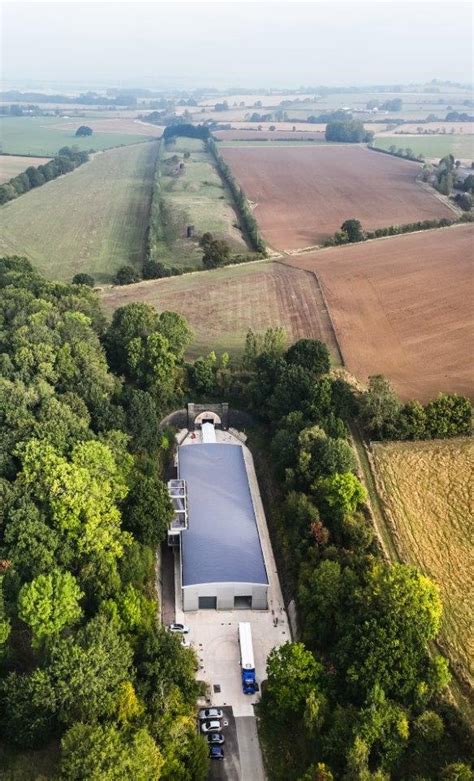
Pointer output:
251, 764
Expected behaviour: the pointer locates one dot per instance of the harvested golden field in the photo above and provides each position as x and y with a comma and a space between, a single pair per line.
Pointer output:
222, 305
303, 194
403, 307
12, 165
427, 494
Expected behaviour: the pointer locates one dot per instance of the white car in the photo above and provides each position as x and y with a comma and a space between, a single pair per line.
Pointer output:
210, 726
181, 629
211, 713
185, 642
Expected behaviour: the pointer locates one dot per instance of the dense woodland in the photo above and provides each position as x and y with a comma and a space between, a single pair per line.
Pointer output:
84, 660
85, 663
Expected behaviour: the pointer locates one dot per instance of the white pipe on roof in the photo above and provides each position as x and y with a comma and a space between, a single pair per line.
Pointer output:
208, 433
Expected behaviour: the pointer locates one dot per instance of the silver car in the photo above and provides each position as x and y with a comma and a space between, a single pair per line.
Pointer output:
210, 726
181, 629
211, 713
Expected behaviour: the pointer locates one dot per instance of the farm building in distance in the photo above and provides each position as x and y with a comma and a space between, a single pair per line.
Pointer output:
222, 564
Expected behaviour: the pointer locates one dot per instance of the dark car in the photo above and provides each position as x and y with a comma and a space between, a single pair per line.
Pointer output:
215, 738
216, 752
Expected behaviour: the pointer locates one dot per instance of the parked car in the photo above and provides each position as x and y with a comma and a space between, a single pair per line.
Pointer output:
211, 713
215, 738
179, 628
216, 752
210, 726
185, 642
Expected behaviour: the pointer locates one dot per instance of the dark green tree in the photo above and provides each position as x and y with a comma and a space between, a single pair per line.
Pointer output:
449, 415
216, 253
379, 408
87, 671
148, 510
28, 703
83, 130
353, 229
126, 275
83, 279
311, 354
103, 752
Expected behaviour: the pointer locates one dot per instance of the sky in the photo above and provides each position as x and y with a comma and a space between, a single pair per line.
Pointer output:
233, 44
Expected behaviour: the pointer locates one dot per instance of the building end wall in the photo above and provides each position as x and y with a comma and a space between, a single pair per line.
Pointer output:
225, 594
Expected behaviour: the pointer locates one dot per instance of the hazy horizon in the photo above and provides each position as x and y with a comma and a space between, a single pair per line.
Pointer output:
189, 45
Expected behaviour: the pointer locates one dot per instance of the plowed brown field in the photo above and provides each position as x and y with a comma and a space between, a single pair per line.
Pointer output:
222, 305
304, 194
404, 307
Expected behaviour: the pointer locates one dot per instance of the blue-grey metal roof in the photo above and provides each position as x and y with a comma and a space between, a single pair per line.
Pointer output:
221, 544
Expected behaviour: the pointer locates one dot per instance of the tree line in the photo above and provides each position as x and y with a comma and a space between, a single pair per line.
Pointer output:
352, 232
248, 221
360, 695
405, 153
87, 673
64, 162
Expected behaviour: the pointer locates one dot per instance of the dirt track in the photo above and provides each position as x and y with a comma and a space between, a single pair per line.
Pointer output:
304, 194
404, 307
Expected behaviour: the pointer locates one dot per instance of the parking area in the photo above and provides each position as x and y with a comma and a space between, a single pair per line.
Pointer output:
229, 768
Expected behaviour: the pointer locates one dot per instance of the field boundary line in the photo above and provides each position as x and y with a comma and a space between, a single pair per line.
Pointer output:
325, 311
319, 247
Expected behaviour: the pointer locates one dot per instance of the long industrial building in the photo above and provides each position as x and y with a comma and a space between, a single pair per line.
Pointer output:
222, 564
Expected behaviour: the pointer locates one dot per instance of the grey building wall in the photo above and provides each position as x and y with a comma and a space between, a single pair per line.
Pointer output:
225, 594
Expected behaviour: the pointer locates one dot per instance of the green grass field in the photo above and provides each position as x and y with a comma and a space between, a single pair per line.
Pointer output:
198, 197
432, 147
37, 136
92, 220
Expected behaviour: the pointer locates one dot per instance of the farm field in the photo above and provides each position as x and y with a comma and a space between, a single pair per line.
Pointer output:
270, 143
262, 136
222, 305
11, 165
46, 135
460, 128
424, 487
92, 220
432, 147
403, 307
287, 127
122, 125
194, 196
303, 195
